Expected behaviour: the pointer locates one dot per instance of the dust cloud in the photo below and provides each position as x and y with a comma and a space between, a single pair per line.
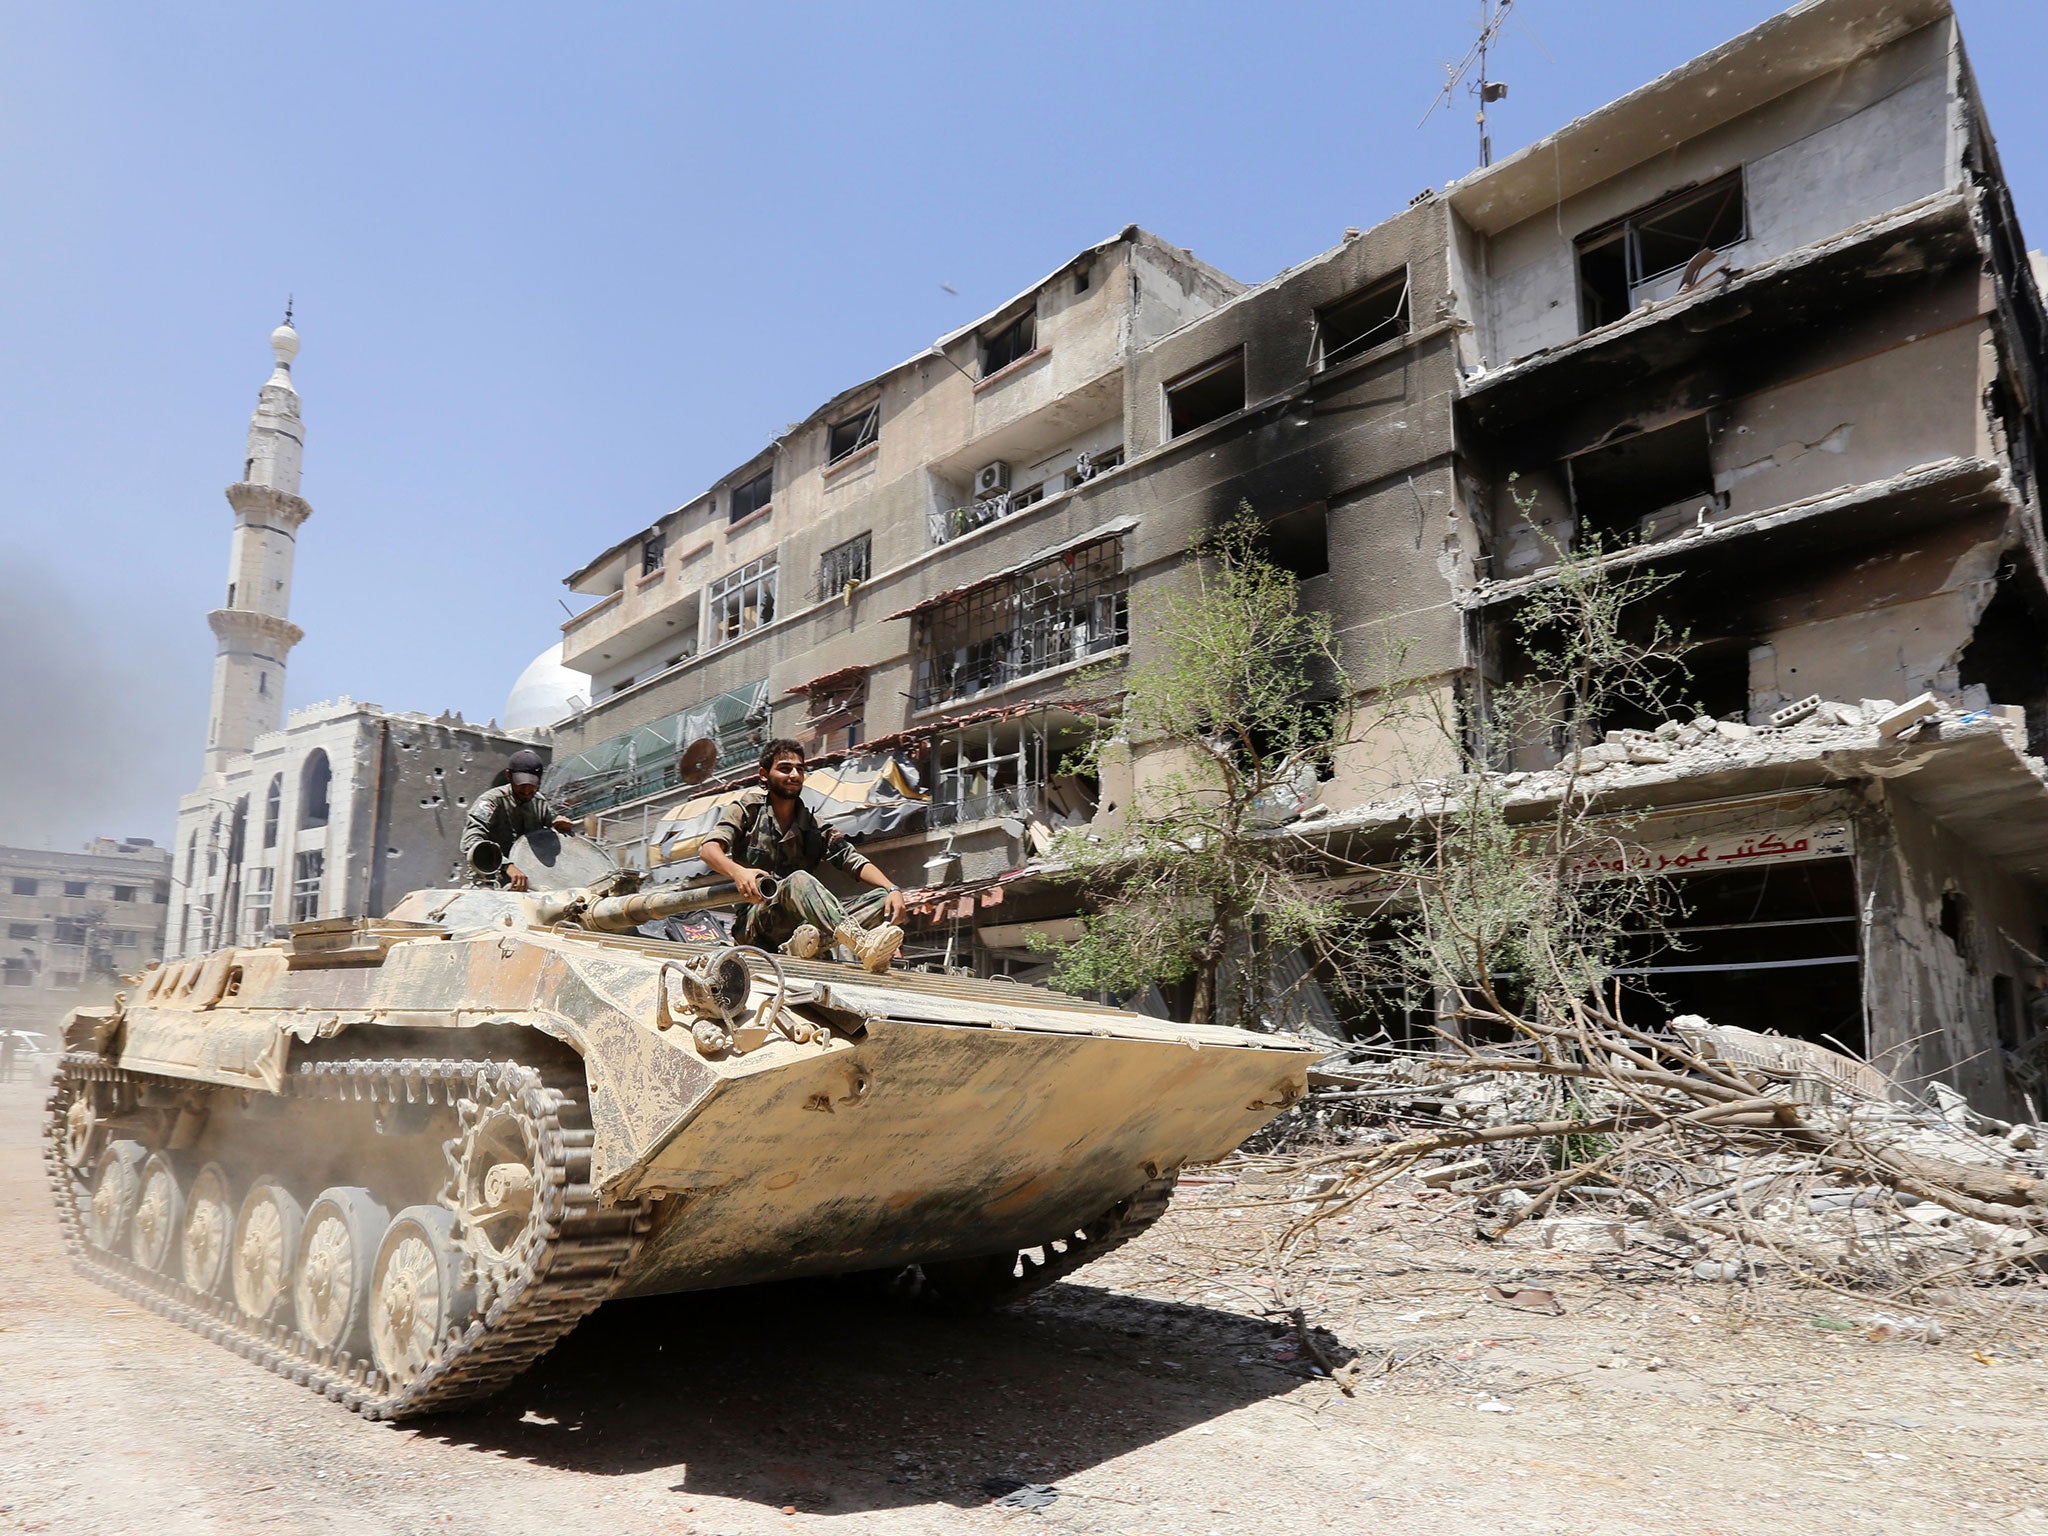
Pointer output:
102, 707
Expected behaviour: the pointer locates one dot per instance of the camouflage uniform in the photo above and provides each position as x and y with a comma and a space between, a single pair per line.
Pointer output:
751, 835
499, 816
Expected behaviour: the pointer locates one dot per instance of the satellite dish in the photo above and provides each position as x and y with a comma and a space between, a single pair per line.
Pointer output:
699, 758
556, 862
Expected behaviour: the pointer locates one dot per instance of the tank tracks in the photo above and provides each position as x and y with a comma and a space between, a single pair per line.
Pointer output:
1001, 1281
567, 1269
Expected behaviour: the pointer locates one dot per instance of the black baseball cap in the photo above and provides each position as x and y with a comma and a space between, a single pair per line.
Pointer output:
525, 767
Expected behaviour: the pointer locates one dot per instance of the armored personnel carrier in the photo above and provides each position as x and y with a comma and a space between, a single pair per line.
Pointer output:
396, 1159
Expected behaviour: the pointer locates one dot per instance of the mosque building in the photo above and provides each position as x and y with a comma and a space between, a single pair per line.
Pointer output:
338, 808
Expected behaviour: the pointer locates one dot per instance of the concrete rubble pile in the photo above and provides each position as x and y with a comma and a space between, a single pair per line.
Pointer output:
1725, 1214
1701, 744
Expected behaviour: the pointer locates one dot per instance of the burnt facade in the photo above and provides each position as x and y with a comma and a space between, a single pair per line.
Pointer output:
1789, 358
1766, 325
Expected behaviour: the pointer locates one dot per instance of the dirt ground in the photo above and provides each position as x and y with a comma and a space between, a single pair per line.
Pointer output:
1156, 1398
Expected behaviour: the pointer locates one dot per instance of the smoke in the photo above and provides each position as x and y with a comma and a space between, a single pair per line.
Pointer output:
102, 707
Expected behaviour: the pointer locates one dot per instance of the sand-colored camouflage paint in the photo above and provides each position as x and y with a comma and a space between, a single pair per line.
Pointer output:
923, 1117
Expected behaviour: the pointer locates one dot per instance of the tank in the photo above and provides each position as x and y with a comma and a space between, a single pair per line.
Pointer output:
396, 1159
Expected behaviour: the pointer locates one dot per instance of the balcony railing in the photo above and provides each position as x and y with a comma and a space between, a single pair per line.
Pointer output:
951, 808
948, 523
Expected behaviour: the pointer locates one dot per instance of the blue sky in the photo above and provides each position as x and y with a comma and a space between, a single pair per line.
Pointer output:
559, 266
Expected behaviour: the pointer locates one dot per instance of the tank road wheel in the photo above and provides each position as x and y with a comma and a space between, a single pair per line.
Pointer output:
82, 1121
159, 1220
331, 1282
499, 1164
417, 1297
266, 1242
207, 1237
114, 1190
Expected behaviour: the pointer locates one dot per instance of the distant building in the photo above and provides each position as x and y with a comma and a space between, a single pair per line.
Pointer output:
74, 923
340, 808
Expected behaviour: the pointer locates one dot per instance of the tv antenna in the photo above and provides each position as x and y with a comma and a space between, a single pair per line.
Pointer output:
1493, 15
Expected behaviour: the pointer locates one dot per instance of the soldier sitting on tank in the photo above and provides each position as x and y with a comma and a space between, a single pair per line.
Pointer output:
499, 817
769, 830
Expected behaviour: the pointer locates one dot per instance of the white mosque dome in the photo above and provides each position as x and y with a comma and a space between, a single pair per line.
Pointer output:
543, 692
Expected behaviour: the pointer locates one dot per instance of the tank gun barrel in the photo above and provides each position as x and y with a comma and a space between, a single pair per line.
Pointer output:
622, 914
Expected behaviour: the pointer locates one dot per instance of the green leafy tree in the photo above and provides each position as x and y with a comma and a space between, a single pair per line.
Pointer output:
1247, 694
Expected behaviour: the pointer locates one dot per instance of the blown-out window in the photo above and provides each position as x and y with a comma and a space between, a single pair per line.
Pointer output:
1376, 313
1064, 609
1003, 347
848, 437
1658, 250
1205, 394
743, 600
314, 777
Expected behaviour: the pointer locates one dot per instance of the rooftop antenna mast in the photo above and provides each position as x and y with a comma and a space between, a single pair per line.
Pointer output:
1493, 15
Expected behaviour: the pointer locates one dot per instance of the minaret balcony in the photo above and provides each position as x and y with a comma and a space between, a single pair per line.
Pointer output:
269, 504
250, 629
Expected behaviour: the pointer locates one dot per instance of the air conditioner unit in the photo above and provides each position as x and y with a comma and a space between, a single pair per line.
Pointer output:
992, 479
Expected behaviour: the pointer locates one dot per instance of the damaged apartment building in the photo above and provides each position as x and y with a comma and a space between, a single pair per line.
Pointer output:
1766, 326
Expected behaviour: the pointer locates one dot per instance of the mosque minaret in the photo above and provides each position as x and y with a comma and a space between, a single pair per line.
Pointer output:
252, 629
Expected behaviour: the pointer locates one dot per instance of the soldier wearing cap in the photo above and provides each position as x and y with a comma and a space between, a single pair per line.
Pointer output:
499, 817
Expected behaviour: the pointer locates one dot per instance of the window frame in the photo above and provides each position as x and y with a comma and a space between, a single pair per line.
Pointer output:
1628, 231
758, 491
315, 770
1061, 611
866, 425
273, 809
261, 897
1018, 337
309, 875
762, 572
844, 553
1179, 384
1402, 319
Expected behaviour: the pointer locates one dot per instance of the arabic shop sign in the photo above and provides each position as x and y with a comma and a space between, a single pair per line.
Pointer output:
1722, 851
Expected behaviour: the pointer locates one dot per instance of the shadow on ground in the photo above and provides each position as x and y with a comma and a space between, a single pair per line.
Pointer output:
809, 1396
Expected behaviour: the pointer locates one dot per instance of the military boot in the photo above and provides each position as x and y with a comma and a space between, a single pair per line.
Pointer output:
805, 943
875, 947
